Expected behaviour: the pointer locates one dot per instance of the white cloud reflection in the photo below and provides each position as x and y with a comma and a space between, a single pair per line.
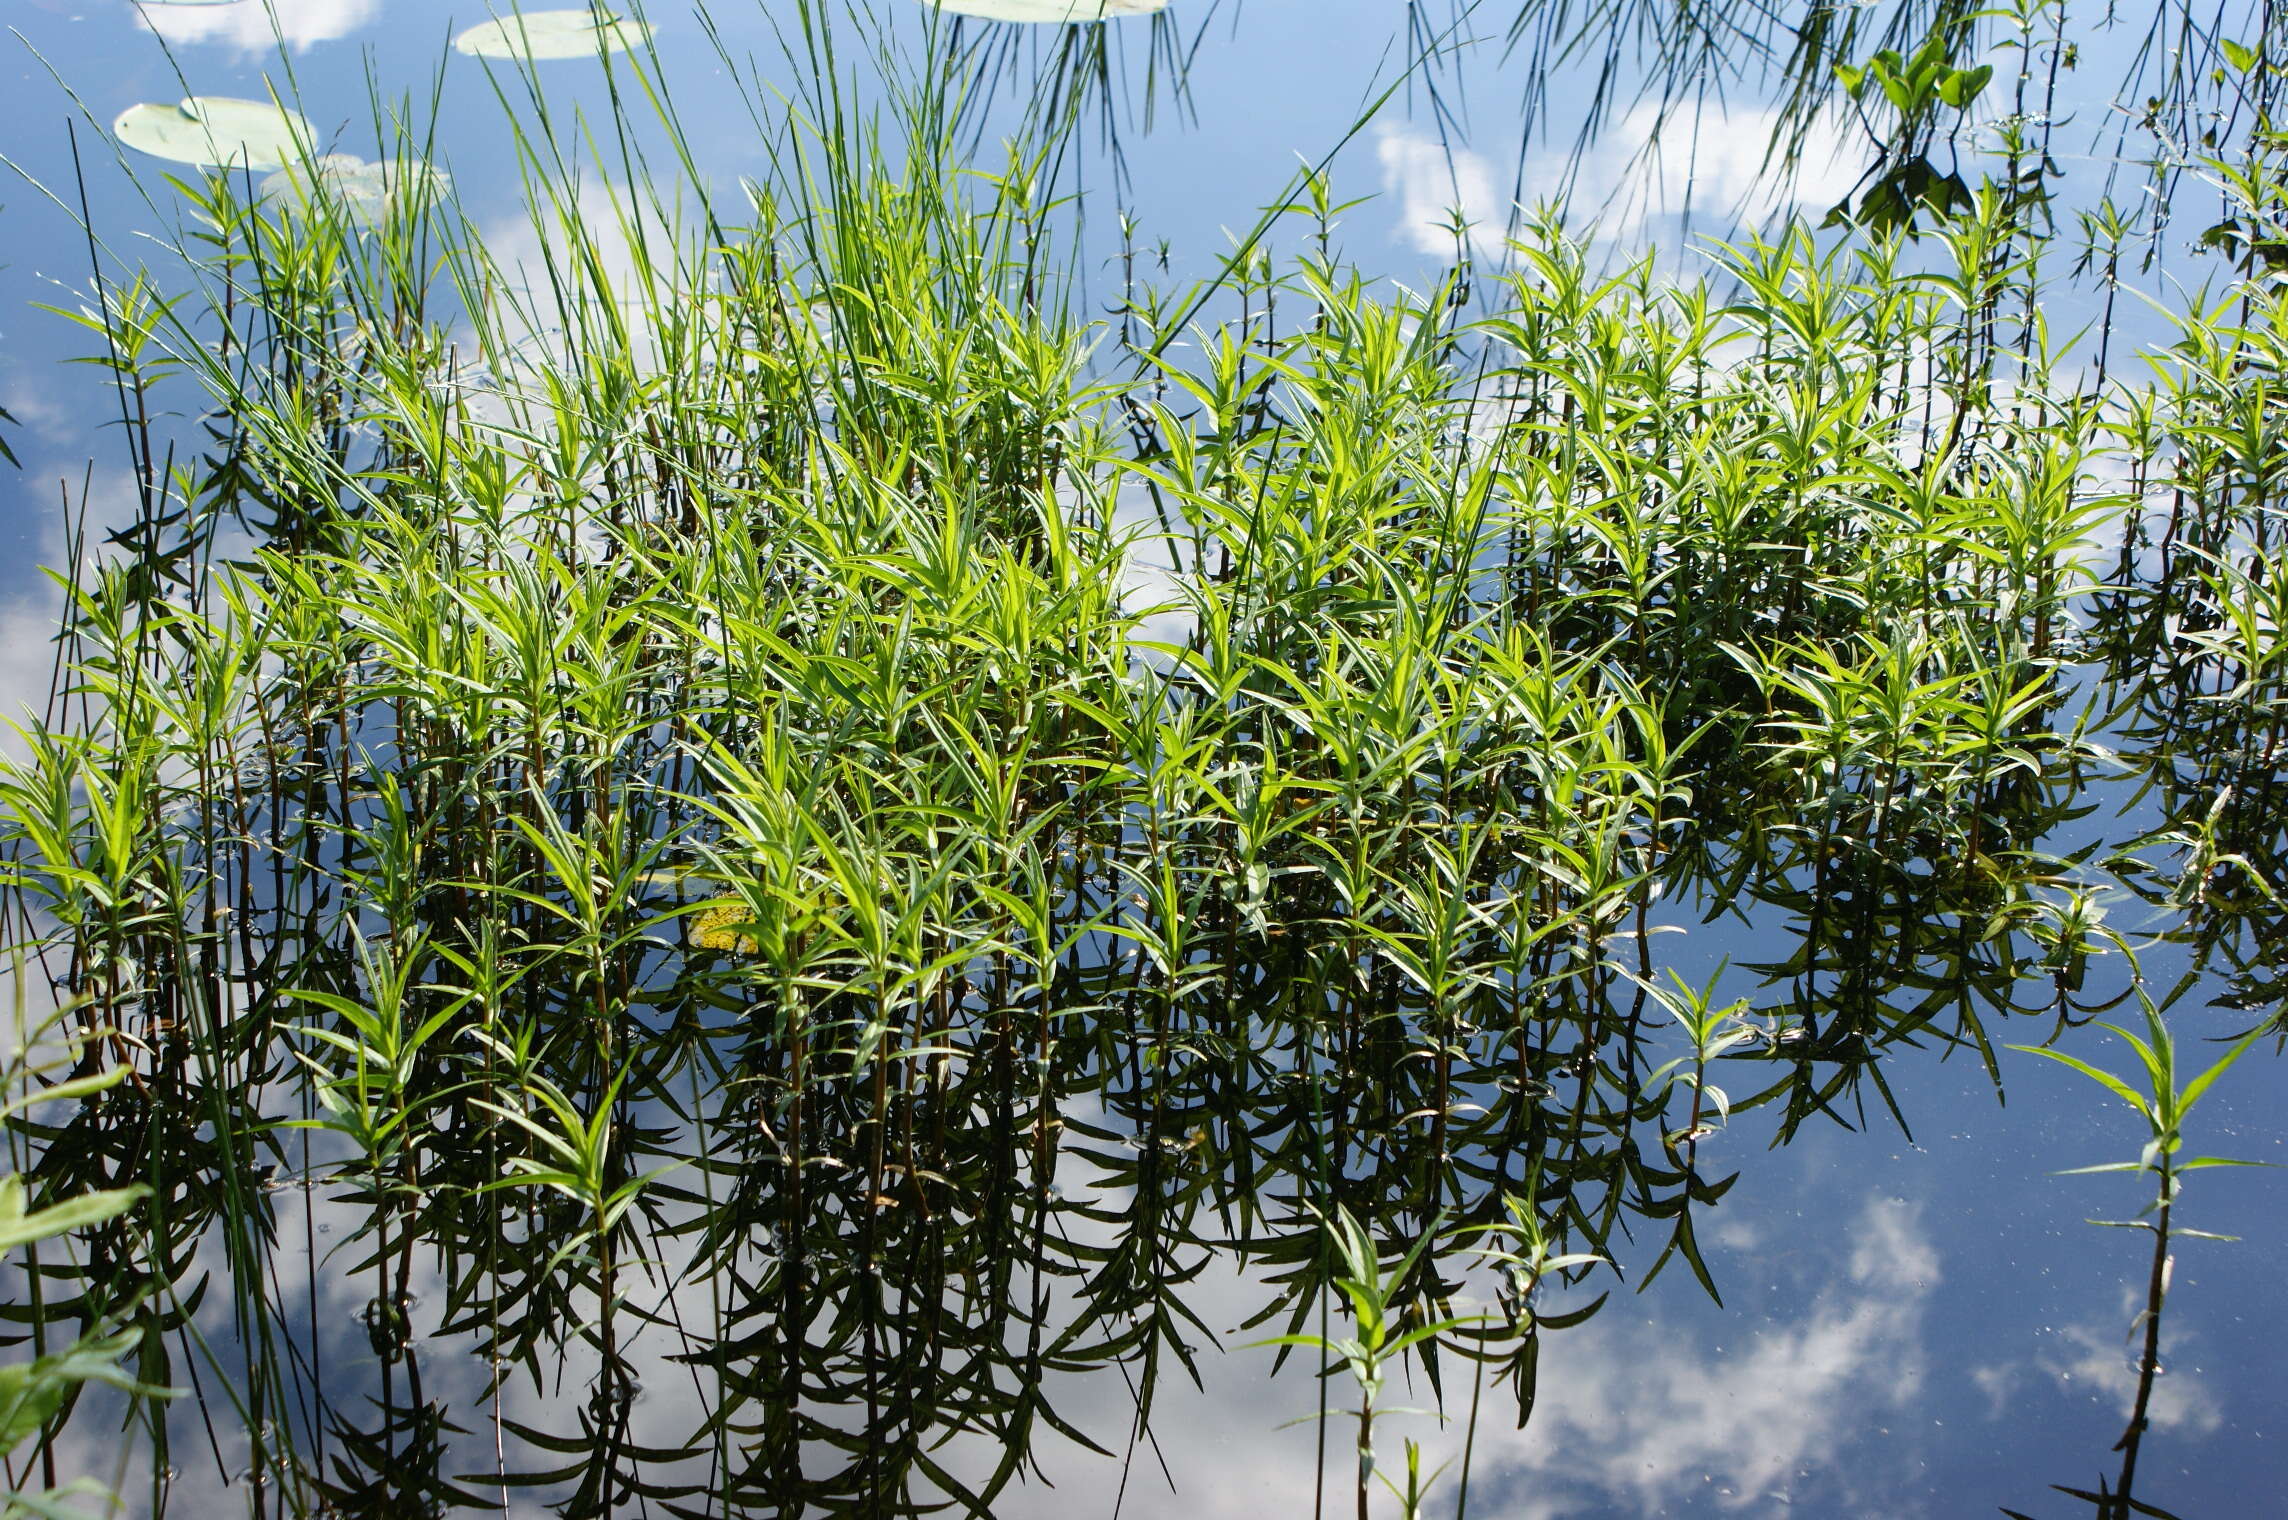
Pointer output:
2099, 1360
1438, 186
1631, 1410
1714, 162
1641, 169
1638, 1414
257, 26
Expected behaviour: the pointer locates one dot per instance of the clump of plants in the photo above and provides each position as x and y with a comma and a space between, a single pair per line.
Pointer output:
650, 824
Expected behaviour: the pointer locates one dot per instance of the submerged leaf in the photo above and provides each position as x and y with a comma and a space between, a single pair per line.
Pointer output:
362, 189
1055, 12
553, 34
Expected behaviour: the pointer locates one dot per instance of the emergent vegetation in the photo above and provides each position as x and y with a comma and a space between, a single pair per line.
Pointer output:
781, 810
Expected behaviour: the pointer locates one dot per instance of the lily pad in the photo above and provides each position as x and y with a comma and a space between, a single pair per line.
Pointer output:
1051, 11
363, 190
553, 34
215, 130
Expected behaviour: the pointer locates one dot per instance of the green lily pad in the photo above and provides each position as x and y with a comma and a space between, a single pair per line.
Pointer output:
553, 34
363, 190
1053, 11
215, 130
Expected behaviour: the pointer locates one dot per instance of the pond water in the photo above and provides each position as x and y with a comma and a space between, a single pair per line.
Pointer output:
1098, 1195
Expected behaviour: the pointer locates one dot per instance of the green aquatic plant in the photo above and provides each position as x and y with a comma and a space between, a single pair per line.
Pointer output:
1204, 785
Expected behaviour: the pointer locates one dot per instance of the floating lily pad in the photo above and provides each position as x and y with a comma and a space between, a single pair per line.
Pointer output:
553, 34
215, 130
1053, 11
363, 190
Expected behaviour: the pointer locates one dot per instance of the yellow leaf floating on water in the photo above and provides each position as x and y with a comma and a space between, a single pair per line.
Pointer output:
723, 928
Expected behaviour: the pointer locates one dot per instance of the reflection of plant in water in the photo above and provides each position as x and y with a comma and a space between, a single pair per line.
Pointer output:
1381, 1341
1714, 1031
1532, 1255
35, 1396
2155, 1093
